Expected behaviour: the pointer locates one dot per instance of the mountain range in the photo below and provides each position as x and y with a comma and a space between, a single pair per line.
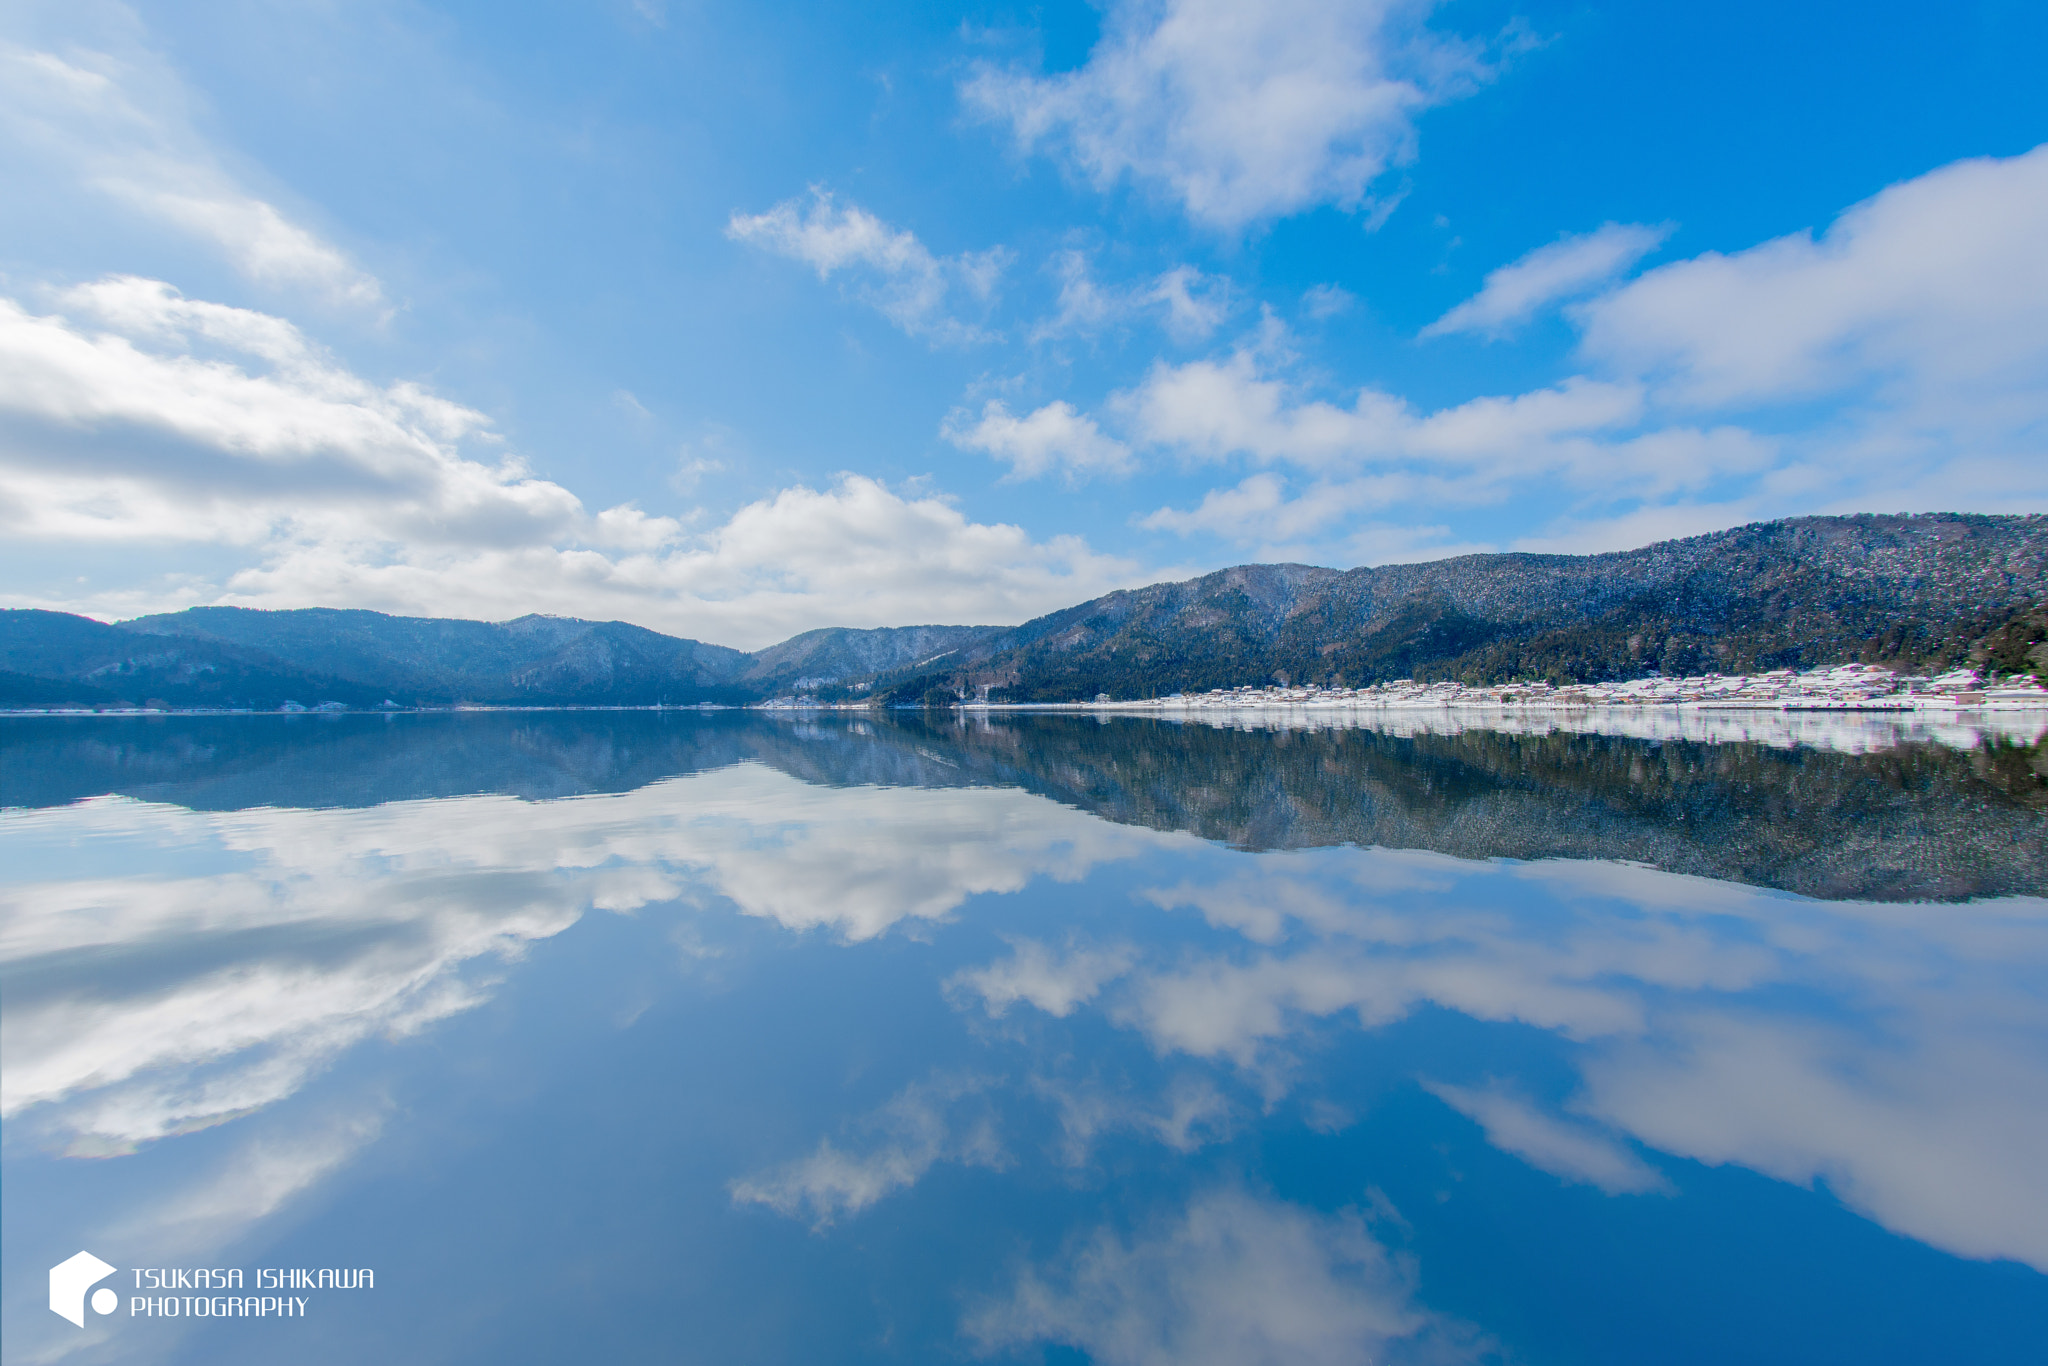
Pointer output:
1926, 591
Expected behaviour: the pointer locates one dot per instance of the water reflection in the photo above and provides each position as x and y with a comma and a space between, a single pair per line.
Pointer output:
1900, 1057
1911, 819
1231, 1278
1061, 996
145, 1005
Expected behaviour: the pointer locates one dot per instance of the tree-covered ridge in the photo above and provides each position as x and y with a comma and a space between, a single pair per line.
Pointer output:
1933, 591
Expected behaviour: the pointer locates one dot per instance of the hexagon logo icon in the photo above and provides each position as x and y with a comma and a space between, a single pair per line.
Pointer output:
71, 1278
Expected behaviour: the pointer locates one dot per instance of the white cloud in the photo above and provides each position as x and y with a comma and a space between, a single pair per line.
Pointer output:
1189, 1114
1896, 1057
943, 1120
1934, 290
1318, 521
1378, 453
1327, 301
1575, 1151
1240, 112
1037, 974
858, 861
1265, 907
1084, 305
1574, 265
1187, 303
1213, 410
364, 933
263, 1174
895, 272
1195, 304
1933, 1136
290, 936
376, 921
1259, 510
135, 416
118, 127
1910, 332
1233, 1278
157, 426
1052, 439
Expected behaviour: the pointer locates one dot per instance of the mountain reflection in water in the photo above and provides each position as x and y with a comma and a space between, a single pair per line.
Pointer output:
1917, 820
1155, 1042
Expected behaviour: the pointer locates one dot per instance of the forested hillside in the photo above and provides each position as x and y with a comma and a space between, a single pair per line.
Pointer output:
1929, 591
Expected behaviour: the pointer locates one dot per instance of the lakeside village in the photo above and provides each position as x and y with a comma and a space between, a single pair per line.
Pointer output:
1852, 709
1846, 687
1843, 688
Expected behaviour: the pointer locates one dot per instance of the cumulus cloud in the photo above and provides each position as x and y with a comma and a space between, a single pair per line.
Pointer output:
132, 415
146, 416
891, 269
1575, 265
1935, 288
1378, 452
1052, 439
1909, 333
1240, 113
1318, 520
1232, 1278
116, 126
1213, 410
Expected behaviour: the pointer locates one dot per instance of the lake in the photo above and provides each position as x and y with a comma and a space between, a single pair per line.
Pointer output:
743, 1037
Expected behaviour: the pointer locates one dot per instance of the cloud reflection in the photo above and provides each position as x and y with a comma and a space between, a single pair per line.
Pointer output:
144, 1006
1575, 1151
1056, 983
946, 1119
1895, 1052
1233, 1279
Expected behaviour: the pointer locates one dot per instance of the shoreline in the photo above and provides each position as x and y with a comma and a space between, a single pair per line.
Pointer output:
1928, 707
1845, 689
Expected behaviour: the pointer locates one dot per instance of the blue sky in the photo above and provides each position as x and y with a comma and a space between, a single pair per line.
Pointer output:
734, 320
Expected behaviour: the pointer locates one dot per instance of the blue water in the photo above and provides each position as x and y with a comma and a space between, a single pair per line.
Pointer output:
661, 1039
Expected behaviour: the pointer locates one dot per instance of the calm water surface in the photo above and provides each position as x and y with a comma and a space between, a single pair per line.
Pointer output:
737, 1038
